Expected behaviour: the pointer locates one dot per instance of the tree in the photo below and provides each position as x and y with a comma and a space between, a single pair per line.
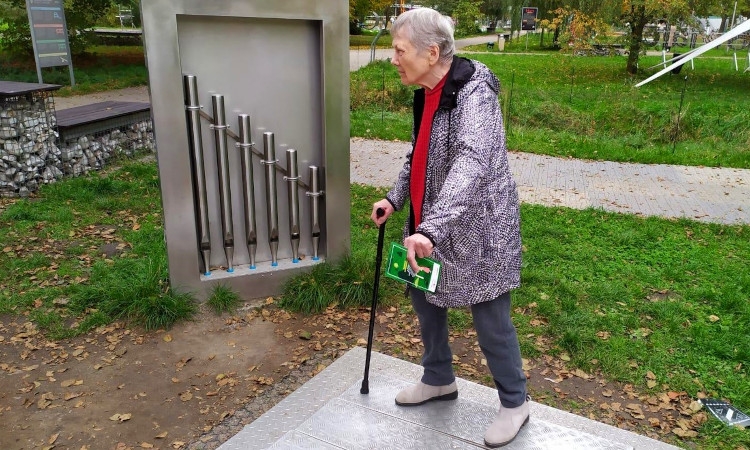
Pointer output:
467, 14
574, 29
447, 7
360, 9
494, 10
80, 16
637, 13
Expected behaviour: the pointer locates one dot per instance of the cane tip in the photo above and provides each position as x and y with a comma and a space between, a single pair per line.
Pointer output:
230, 270
253, 266
295, 260
274, 264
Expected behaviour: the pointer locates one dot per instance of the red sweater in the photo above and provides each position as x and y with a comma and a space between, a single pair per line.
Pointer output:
419, 157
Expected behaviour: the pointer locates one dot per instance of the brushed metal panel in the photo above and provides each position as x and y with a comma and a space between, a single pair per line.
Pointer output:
295, 440
350, 426
285, 63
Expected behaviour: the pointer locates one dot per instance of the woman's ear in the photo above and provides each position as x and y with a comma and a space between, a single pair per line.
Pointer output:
434, 55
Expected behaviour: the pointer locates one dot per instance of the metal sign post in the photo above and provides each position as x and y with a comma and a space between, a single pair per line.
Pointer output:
49, 35
528, 21
528, 18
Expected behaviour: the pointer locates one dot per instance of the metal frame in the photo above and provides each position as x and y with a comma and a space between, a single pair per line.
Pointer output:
285, 64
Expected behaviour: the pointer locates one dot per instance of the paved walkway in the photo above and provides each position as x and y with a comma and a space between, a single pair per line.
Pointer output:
697, 193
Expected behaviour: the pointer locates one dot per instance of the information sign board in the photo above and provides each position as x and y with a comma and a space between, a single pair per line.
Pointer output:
49, 34
528, 18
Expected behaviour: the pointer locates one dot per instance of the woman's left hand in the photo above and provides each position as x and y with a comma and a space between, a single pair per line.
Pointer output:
417, 246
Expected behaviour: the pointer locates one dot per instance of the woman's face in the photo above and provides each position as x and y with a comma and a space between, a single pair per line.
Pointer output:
413, 65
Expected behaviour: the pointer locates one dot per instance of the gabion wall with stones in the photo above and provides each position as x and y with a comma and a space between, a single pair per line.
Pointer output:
32, 153
28, 150
92, 151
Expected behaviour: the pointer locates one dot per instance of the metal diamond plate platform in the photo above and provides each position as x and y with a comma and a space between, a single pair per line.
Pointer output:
328, 412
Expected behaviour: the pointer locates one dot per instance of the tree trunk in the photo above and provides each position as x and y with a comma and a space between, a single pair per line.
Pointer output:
638, 21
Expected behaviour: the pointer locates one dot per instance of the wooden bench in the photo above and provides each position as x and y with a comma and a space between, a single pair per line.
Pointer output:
99, 117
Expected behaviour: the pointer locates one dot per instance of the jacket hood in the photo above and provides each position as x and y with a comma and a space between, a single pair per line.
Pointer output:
462, 72
483, 73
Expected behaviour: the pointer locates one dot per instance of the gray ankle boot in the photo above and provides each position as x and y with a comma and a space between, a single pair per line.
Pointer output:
421, 393
506, 425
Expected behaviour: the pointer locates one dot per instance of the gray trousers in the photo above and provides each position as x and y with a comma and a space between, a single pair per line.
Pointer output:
497, 339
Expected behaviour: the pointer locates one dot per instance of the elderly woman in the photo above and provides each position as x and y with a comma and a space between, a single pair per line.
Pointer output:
464, 213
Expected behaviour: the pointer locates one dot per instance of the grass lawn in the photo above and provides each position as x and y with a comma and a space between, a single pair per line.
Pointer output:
586, 107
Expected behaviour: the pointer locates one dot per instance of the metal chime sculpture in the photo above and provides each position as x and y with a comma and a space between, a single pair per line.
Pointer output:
244, 143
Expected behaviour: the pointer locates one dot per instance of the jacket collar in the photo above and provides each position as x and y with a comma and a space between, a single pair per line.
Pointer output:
459, 74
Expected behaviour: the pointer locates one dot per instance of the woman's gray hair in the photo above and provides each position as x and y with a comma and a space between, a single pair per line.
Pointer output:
424, 27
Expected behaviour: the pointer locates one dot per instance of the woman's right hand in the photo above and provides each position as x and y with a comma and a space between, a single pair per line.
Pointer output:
387, 208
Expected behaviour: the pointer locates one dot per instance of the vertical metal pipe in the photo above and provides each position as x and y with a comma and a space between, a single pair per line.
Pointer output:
195, 142
225, 195
292, 178
272, 211
314, 195
248, 191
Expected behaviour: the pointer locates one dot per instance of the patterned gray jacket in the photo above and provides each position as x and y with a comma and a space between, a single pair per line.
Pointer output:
470, 209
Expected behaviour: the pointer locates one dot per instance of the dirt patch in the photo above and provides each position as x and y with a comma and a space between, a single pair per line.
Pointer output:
198, 384
119, 386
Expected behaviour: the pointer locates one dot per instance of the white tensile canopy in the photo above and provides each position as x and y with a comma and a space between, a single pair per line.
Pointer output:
682, 59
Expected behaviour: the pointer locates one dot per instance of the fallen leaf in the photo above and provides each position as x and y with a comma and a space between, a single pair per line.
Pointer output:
120, 417
684, 433
69, 383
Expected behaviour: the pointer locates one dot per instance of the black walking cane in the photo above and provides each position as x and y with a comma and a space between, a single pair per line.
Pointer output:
365, 389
